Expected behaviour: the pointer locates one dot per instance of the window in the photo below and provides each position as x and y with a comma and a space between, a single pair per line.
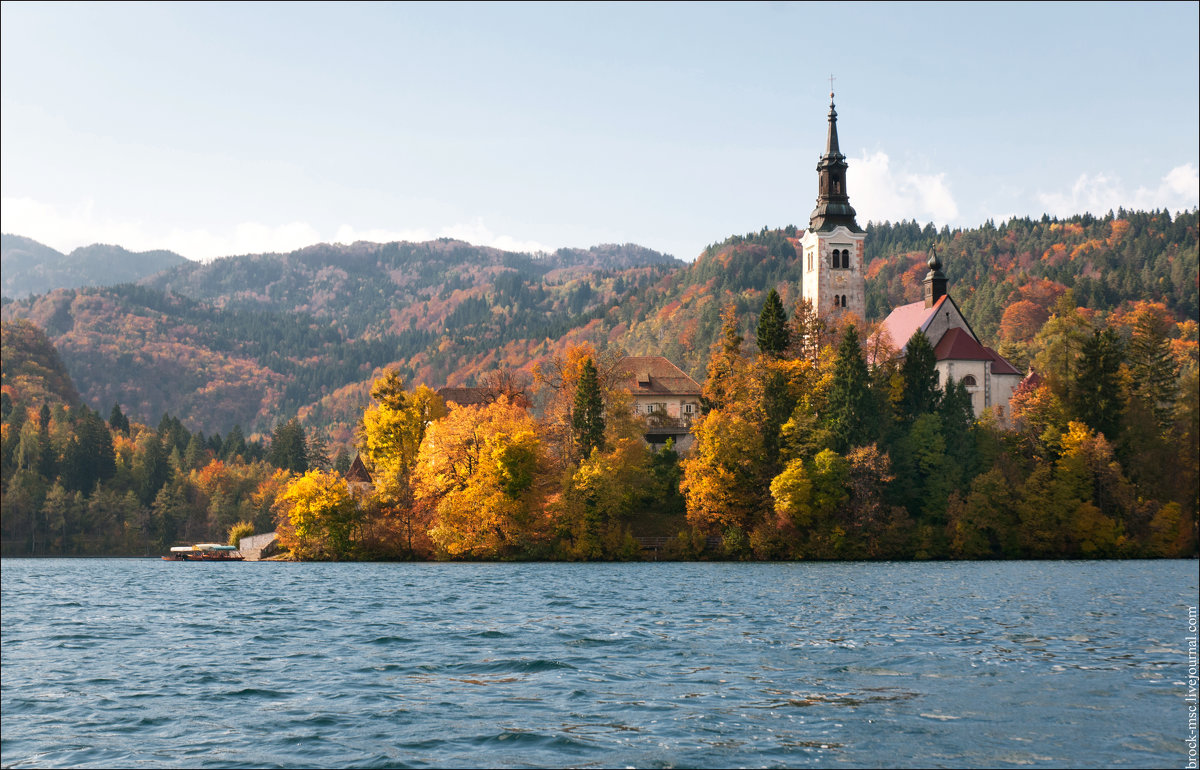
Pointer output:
687, 408
843, 300
969, 381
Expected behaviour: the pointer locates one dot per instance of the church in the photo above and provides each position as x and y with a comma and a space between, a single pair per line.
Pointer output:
834, 281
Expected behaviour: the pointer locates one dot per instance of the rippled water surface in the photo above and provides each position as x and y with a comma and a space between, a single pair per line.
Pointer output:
126, 662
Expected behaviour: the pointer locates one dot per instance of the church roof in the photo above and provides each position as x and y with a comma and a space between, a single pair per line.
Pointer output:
654, 376
958, 345
1000, 366
904, 321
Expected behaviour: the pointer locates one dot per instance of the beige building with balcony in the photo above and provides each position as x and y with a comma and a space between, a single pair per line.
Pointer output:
664, 396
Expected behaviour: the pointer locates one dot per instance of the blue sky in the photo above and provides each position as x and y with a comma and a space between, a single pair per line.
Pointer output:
218, 129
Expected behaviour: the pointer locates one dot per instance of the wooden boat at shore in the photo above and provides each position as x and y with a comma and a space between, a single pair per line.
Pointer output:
204, 552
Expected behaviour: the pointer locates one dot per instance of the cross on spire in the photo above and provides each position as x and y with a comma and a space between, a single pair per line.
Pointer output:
831, 86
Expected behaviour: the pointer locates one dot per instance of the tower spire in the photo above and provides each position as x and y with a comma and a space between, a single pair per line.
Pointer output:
833, 203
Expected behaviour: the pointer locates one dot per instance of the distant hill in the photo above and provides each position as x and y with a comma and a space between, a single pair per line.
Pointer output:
31, 371
260, 338
247, 339
31, 268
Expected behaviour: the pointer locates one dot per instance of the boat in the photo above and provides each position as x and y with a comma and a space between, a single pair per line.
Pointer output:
204, 552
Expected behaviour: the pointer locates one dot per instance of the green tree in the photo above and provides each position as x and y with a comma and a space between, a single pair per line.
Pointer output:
289, 448
1097, 393
921, 393
587, 416
851, 411
773, 333
1153, 370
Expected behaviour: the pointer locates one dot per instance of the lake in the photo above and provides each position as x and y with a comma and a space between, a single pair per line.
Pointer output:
145, 663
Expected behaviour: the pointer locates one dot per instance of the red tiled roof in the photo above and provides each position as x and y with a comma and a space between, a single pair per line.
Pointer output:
654, 375
999, 365
902, 323
958, 345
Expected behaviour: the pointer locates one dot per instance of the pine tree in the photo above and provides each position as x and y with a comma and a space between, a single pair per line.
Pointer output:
288, 447
773, 335
117, 420
1153, 369
919, 372
1097, 393
851, 413
587, 416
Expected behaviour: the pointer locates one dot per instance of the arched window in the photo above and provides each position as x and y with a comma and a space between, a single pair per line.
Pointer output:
843, 300
969, 380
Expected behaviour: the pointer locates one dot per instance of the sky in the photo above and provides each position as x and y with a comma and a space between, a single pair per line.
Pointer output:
222, 129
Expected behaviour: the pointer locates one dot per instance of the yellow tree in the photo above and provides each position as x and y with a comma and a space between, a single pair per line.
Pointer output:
481, 471
390, 436
317, 516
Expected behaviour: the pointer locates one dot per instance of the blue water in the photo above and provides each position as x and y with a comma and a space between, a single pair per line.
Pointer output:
144, 663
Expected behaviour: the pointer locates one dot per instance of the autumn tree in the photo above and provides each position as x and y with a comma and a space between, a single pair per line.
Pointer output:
317, 516
481, 470
390, 436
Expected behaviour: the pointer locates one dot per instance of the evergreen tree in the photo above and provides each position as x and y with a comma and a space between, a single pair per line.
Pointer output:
1154, 372
153, 470
117, 420
851, 412
235, 444
1097, 393
587, 416
318, 452
289, 447
919, 372
773, 334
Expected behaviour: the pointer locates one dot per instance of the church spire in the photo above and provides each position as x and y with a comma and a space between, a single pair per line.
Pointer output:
935, 280
833, 203
831, 142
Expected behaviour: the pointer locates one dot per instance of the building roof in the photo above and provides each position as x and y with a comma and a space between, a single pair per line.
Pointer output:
654, 376
466, 396
1000, 366
358, 472
957, 345
904, 321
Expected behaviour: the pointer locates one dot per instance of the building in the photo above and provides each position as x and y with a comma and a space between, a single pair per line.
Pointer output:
832, 246
834, 281
664, 396
961, 357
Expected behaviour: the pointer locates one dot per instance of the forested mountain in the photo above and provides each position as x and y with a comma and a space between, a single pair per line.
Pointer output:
246, 340
257, 339
33, 268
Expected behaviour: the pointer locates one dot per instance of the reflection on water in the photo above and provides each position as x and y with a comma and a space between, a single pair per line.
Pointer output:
141, 662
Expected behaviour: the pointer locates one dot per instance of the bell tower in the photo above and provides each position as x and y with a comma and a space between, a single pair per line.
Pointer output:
832, 246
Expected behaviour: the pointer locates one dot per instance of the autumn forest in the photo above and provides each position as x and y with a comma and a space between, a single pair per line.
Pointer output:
214, 400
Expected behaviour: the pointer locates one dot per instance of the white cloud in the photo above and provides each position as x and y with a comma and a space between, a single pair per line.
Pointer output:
80, 225
886, 194
1098, 194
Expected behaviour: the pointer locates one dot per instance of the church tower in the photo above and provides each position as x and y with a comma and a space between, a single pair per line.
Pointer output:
833, 277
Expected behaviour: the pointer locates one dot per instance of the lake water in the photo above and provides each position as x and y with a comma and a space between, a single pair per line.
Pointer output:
145, 663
